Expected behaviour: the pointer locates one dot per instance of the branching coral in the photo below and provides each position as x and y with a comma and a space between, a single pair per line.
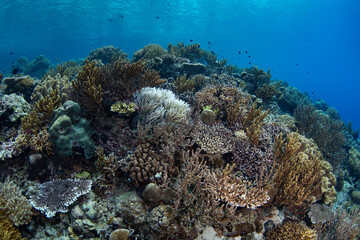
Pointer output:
299, 173
88, 87
290, 231
55, 196
255, 77
109, 166
15, 206
236, 191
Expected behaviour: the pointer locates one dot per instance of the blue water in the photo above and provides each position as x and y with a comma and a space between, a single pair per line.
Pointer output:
314, 45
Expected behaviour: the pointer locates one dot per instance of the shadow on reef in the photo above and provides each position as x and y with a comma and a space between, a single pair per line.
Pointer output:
171, 144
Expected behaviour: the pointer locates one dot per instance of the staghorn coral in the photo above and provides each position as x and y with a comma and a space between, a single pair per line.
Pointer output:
160, 106
299, 173
56, 195
213, 139
291, 230
50, 84
236, 191
7, 230
106, 54
15, 206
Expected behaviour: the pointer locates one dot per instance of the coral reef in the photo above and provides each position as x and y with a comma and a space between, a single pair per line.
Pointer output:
55, 196
123, 108
354, 161
67, 129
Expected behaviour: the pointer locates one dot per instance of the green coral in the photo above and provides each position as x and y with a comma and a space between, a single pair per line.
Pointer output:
68, 129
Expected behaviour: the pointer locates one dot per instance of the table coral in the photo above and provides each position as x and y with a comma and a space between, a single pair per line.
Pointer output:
55, 196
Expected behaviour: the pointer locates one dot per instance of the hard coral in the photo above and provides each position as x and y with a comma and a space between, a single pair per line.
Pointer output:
55, 196
214, 139
147, 165
290, 231
15, 206
299, 173
236, 191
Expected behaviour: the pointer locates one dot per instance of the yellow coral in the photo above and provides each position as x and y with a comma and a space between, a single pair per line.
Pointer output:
124, 108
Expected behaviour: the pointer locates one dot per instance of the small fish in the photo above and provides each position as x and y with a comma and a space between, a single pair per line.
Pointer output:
121, 16
213, 52
249, 56
297, 64
191, 40
15, 71
157, 18
11, 53
239, 52
250, 63
245, 51
312, 92
210, 43
110, 19
308, 72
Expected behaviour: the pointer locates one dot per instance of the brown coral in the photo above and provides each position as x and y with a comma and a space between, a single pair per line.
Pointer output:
7, 230
291, 231
236, 191
299, 173
14, 204
214, 139
147, 165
